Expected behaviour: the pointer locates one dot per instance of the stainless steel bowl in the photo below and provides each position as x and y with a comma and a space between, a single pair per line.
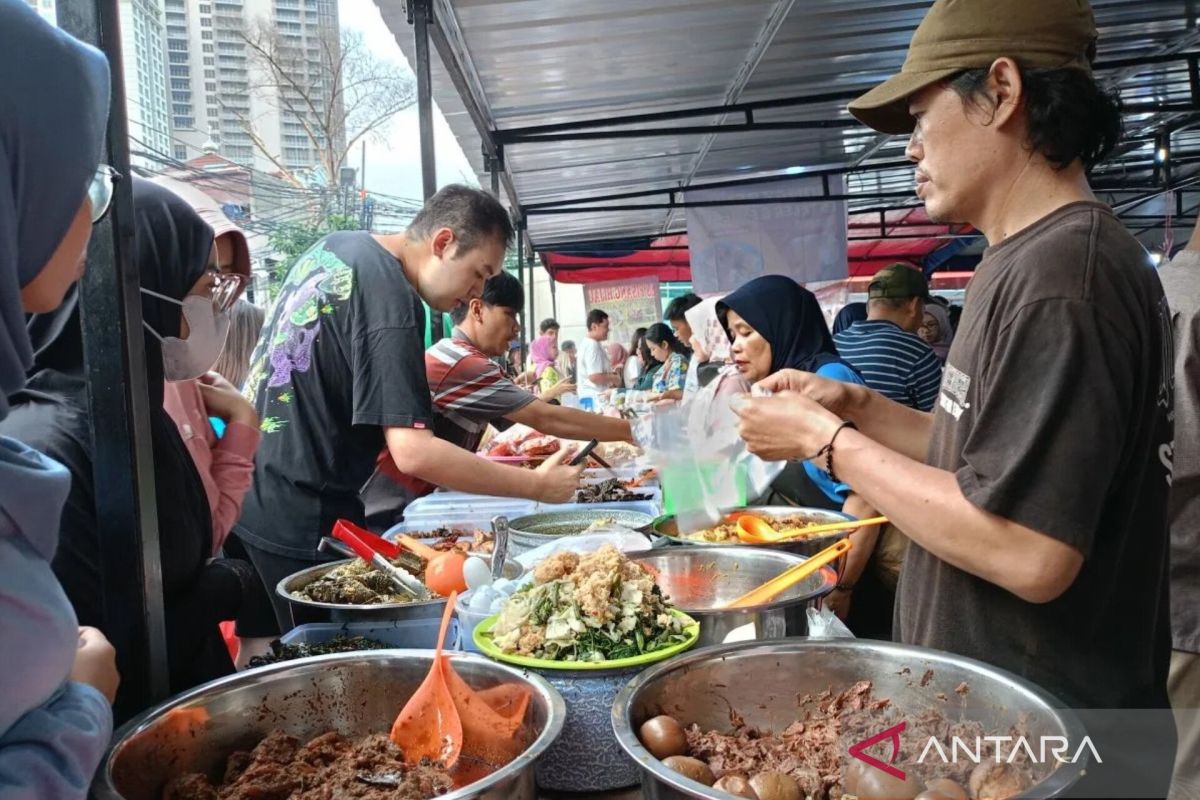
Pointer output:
534, 530
352, 693
304, 611
699, 580
666, 528
761, 682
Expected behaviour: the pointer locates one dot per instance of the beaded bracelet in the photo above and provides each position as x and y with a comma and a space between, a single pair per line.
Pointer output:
827, 450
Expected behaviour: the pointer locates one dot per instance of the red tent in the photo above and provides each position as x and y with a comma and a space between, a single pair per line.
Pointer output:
914, 238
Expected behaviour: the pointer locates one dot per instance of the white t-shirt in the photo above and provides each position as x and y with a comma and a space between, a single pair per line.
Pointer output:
633, 368
592, 359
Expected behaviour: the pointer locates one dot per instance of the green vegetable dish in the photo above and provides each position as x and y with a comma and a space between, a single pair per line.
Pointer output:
592, 608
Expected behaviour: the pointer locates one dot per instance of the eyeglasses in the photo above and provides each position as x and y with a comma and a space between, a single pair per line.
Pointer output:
226, 289
100, 191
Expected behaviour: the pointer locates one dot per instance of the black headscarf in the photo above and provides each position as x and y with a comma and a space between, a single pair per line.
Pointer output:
788, 316
172, 248
850, 314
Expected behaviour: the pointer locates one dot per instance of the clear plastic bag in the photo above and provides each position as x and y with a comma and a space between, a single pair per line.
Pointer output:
824, 624
703, 463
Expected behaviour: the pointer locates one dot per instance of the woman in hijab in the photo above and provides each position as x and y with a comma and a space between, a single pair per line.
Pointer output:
774, 323
183, 336
544, 355
58, 679
936, 330
617, 356
850, 314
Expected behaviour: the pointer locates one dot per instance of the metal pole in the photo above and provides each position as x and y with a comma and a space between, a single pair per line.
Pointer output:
422, 13
118, 404
521, 270
362, 186
533, 320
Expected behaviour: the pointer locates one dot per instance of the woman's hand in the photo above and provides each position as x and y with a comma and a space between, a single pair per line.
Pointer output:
224, 401
784, 427
96, 663
558, 390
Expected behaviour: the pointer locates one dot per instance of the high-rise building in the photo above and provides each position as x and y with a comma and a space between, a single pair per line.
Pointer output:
223, 99
143, 51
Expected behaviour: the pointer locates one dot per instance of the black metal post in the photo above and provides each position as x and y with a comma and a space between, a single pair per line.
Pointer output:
521, 270
421, 12
115, 358
533, 320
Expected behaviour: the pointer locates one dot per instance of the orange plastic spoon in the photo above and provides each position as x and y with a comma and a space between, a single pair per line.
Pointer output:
443, 571
429, 726
791, 576
756, 530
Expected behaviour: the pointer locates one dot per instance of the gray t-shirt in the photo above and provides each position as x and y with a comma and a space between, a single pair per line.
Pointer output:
1181, 283
1054, 413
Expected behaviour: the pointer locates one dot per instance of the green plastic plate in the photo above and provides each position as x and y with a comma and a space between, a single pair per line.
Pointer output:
483, 640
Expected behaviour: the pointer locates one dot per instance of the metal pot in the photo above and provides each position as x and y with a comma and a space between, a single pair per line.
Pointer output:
699, 580
353, 693
761, 682
534, 530
666, 528
304, 611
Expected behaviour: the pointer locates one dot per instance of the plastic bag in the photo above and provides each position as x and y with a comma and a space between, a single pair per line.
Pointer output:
704, 465
824, 624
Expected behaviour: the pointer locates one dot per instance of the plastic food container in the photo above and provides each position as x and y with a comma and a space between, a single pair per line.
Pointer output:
417, 634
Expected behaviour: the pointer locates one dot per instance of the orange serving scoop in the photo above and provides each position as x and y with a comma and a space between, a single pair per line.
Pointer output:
790, 577
446, 718
756, 530
443, 571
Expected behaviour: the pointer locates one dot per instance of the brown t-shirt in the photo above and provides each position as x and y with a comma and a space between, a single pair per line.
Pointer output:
1054, 413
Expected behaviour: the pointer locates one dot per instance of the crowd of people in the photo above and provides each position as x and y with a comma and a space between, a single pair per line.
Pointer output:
1043, 515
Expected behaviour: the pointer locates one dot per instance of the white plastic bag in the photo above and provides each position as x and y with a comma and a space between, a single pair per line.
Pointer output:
824, 624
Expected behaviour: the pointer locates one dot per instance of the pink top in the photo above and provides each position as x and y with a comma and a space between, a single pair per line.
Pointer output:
226, 465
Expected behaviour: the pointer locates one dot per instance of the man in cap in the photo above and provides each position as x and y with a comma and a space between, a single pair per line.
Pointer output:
1035, 493
885, 348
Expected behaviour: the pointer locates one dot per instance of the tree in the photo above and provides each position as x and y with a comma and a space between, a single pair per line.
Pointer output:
290, 240
332, 86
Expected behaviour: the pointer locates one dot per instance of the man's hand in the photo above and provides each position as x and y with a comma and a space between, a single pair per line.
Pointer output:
557, 480
224, 401
96, 663
787, 426
837, 396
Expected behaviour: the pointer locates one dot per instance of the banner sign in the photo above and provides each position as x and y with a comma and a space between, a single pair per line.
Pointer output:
630, 304
731, 245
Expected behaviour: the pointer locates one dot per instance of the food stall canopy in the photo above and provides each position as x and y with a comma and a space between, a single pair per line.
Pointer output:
597, 117
876, 239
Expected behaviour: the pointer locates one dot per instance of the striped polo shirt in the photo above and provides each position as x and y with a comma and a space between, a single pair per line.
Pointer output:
893, 362
469, 392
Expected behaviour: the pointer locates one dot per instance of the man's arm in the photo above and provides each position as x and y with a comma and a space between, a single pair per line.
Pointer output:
572, 423
927, 504
923, 501
603, 378
893, 425
421, 454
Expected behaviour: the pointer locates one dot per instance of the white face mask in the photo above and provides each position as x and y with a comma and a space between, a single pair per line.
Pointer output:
186, 359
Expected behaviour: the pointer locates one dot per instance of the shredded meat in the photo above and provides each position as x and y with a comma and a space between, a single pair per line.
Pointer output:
813, 750
557, 566
327, 768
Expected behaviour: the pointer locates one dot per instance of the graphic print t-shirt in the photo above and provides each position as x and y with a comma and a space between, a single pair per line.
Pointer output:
1055, 413
341, 358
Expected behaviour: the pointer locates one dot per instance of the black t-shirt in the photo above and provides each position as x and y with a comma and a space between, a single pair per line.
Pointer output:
1054, 413
341, 358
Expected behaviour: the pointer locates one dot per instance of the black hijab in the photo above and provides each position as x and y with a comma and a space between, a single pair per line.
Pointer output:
850, 314
788, 316
172, 248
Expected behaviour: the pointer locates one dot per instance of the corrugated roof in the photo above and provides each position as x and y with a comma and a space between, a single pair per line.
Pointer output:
545, 62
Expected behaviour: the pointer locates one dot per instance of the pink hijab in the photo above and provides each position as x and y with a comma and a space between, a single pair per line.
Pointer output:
543, 352
617, 355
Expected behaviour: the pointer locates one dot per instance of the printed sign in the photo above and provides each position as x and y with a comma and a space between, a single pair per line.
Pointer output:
630, 305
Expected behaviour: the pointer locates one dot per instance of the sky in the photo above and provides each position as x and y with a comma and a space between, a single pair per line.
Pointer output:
394, 165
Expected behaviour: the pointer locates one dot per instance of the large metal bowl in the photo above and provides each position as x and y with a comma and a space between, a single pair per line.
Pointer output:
762, 683
353, 693
534, 530
667, 528
700, 580
305, 611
